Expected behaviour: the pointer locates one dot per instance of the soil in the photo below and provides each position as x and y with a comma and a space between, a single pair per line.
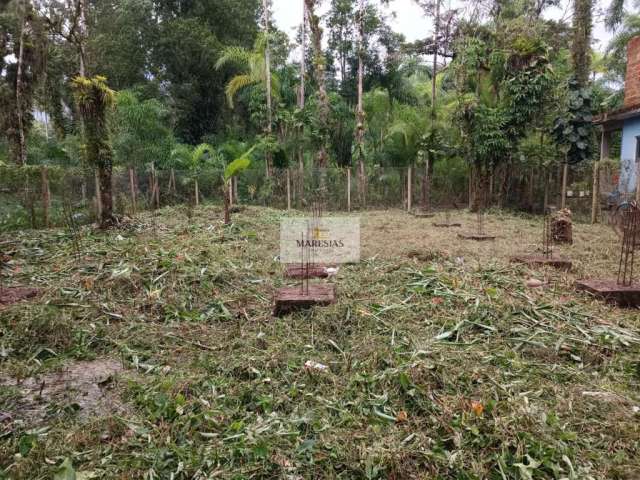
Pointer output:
87, 387
9, 295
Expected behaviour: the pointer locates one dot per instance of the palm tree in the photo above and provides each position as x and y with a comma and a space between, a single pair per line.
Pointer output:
255, 68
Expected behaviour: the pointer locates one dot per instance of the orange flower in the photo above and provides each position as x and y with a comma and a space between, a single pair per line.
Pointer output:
477, 407
402, 416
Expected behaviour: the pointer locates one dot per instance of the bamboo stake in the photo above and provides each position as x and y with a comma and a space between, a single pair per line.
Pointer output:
197, 194
348, 189
563, 198
595, 194
409, 193
132, 190
46, 196
288, 189
637, 181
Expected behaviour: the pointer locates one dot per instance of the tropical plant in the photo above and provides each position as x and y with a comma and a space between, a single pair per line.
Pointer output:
252, 66
141, 132
95, 101
233, 169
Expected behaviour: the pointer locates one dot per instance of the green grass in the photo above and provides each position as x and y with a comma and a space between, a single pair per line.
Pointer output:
441, 366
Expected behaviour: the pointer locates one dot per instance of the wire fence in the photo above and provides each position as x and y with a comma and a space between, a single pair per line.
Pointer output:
35, 197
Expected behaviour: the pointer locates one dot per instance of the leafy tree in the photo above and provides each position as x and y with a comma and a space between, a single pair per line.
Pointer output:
95, 100
23, 38
141, 131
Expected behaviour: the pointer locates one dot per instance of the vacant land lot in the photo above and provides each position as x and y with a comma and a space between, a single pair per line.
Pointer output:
151, 352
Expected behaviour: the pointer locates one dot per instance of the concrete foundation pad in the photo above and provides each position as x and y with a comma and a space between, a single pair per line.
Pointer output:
610, 291
289, 299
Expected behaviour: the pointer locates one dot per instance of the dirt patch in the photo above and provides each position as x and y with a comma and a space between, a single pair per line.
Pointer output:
9, 295
87, 387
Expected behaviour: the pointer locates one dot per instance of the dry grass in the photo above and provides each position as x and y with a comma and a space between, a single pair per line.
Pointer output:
442, 364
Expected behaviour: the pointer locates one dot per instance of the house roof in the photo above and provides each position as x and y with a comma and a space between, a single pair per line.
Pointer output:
613, 120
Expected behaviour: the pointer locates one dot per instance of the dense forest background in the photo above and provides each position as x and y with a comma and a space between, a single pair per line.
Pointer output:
183, 84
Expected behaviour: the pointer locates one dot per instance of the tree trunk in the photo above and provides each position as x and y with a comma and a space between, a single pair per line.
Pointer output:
359, 134
323, 100
267, 63
106, 196
301, 100
227, 213
21, 157
563, 193
98, 197
83, 35
46, 196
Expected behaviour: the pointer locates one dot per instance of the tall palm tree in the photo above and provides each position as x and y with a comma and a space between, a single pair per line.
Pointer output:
252, 65
255, 68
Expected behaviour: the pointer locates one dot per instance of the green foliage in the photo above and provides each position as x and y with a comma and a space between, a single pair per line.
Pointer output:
141, 131
197, 158
574, 130
95, 100
252, 64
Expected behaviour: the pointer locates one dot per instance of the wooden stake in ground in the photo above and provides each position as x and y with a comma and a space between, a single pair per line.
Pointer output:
563, 193
595, 198
638, 181
348, 189
46, 196
132, 190
288, 189
409, 194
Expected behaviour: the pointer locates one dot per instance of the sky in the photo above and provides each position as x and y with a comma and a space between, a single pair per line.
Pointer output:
410, 21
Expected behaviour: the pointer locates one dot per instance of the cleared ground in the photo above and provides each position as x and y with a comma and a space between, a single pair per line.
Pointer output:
151, 352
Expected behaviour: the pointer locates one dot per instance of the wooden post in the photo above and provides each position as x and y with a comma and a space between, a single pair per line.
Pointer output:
348, 189
197, 193
156, 188
595, 194
637, 181
409, 193
98, 197
172, 183
235, 190
288, 189
132, 190
563, 194
547, 183
471, 180
46, 196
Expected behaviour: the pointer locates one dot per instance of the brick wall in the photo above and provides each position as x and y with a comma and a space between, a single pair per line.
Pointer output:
632, 81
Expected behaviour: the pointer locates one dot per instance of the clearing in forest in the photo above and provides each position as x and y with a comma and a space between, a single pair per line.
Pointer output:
441, 361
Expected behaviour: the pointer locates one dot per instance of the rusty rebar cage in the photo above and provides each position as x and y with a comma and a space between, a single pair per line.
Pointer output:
630, 238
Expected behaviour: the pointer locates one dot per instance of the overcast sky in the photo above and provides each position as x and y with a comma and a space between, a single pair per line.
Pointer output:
410, 21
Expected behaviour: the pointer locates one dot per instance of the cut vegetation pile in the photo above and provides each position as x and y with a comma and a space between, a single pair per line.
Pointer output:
441, 361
